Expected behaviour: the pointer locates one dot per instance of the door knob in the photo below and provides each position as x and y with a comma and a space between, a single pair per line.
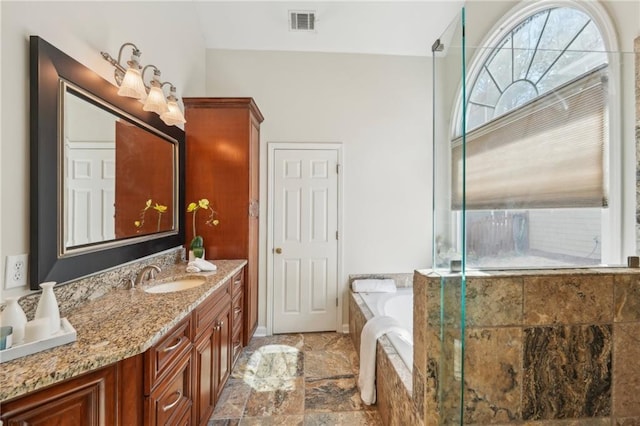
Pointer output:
278, 250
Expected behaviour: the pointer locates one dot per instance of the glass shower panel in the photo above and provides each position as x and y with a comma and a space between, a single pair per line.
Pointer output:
529, 172
448, 254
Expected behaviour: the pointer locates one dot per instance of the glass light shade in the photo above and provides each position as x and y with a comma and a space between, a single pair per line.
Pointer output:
132, 85
155, 101
174, 116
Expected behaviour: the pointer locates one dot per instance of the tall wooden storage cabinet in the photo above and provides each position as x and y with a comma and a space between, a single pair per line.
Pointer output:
223, 156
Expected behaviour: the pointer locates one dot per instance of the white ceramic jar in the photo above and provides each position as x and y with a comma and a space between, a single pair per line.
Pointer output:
14, 316
48, 306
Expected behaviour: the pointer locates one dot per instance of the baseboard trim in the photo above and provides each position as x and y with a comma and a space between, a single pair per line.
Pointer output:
261, 331
345, 328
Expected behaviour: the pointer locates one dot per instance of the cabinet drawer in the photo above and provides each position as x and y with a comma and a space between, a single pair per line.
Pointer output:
205, 313
173, 397
160, 357
236, 312
236, 344
237, 282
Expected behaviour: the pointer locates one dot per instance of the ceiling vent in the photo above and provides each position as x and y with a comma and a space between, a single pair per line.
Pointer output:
302, 20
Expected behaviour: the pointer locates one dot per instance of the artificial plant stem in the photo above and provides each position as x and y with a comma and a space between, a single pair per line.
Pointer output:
194, 222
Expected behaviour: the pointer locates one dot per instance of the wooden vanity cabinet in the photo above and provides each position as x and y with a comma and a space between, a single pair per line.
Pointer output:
90, 399
177, 381
223, 157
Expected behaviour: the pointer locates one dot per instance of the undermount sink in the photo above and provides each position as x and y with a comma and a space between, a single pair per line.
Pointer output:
176, 285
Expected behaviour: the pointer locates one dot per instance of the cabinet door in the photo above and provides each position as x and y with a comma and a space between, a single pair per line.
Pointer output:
205, 397
223, 347
87, 400
251, 292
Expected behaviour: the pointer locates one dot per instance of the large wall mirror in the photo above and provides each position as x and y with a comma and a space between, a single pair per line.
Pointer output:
106, 176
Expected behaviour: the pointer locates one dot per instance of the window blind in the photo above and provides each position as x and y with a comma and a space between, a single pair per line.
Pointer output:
549, 153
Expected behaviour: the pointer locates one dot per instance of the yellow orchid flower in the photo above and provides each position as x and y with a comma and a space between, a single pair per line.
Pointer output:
205, 205
147, 205
160, 208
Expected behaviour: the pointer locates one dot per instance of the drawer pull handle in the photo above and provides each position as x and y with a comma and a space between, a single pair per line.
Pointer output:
236, 282
174, 403
236, 311
172, 347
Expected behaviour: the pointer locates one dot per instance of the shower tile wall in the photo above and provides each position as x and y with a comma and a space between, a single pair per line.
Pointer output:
539, 347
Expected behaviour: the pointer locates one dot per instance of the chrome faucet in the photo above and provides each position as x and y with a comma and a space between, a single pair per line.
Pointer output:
149, 272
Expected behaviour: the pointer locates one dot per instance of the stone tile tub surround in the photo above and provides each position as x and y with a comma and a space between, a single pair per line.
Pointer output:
119, 324
557, 347
393, 378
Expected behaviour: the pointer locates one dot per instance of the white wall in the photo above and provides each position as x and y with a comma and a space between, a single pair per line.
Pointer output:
379, 108
82, 30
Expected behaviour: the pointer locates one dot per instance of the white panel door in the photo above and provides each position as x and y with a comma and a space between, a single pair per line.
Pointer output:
305, 276
90, 193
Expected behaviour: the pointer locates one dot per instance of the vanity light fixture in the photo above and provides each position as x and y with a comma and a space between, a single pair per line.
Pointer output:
174, 115
130, 79
155, 98
131, 84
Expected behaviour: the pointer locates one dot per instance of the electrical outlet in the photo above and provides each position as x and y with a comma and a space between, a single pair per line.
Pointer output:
16, 269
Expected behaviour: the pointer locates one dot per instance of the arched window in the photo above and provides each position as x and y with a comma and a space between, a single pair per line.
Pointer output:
541, 53
537, 141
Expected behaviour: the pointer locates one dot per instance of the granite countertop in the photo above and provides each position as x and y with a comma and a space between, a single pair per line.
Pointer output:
118, 325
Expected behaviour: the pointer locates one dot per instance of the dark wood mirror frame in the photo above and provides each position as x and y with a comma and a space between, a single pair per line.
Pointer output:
48, 66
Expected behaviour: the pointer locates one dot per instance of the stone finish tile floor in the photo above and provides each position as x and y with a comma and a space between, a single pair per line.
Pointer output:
295, 379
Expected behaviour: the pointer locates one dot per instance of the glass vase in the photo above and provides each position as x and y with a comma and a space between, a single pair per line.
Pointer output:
14, 316
48, 306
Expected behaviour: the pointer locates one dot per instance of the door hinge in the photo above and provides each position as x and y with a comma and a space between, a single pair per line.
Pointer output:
337, 235
337, 168
336, 301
